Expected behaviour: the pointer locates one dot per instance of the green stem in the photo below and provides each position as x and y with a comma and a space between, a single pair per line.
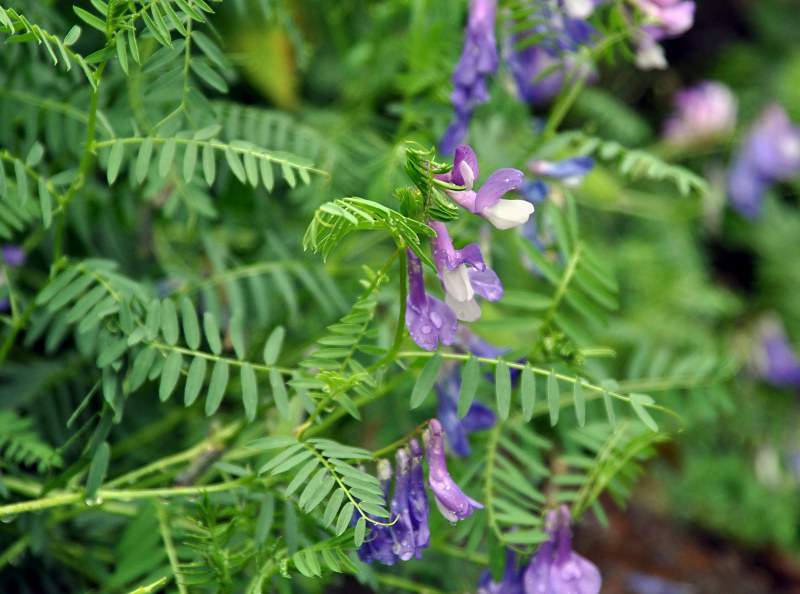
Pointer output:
14, 550
172, 555
405, 584
400, 332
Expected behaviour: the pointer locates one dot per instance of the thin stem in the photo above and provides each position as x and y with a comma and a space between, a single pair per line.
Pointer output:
400, 582
400, 332
172, 555
14, 551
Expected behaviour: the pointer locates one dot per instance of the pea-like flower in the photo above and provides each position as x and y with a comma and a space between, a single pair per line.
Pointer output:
703, 113
450, 499
380, 543
429, 320
570, 171
478, 58
510, 584
418, 500
770, 154
555, 568
463, 274
664, 19
487, 201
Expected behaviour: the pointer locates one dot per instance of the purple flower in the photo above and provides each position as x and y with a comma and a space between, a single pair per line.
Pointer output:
771, 153
418, 500
379, 543
478, 418
459, 282
778, 362
663, 19
478, 58
450, 499
403, 528
487, 202
429, 321
12, 255
556, 568
703, 113
511, 583
570, 171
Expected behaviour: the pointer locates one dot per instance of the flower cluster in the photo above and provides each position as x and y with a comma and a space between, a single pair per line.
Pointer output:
540, 69
703, 114
771, 153
463, 273
408, 533
478, 58
554, 569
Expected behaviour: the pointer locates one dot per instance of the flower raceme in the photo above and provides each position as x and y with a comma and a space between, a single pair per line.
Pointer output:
487, 201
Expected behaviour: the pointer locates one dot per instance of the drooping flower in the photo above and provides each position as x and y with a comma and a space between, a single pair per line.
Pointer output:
555, 568
778, 362
478, 418
510, 584
379, 543
771, 153
663, 19
570, 171
450, 499
478, 58
461, 283
403, 528
429, 320
487, 201
418, 500
703, 114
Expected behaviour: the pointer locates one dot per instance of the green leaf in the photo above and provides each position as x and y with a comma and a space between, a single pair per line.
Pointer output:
345, 515
209, 131
89, 19
34, 155
134, 45
153, 322
469, 384
97, 470
115, 160
209, 76
237, 335
580, 403
267, 177
612, 418
526, 537
44, 202
313, 485
361, 528
194, 380
216, 387
72, 35
251, 168
235, 164
301, 476
279, 393
273, 346
502, 383
265, 517
167, 156
528, 393
189, 161
638, 402
143, 159
334, 503
141, 367
272, 442
169, 321
553, 397
121, 53
426, 380
170, 375
112, 352
209, 164
191, 329
288, 175
212, 332
22, 181
56, 286
249, 391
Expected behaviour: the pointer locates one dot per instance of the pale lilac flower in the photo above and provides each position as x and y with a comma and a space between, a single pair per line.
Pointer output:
555, 568
478, 58
770, 154
418, 500
703, 113
777, 362
463, 274
450, 499
510, 584
663, 19
429, 321
478, 418
487, 201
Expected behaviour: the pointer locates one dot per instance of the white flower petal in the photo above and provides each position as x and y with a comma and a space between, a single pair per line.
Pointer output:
456, 283
466, 311
467, 174
505, 214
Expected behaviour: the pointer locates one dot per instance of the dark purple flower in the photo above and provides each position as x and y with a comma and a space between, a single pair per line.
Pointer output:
556, 568
771, 153
429, 321
478, 58
703, 113
478, 418
418, 500
460, 282
487, 201
450, 499
403, 527
379, 543
511, 583
778, 362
